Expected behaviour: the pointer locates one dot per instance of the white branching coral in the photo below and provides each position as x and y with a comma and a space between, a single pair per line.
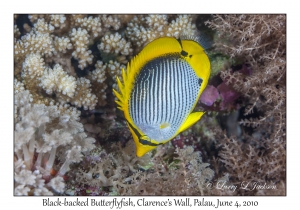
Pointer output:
82, 140
33, 66
42, 27
21, 190
19, 51
123, 18
54, 139
138, 34
114, 69
98, 79
143, 29
54, 134
35, 17
16, 32
23, 136
57, 184
57, 80
80, 40
157, 22
25, 177
58, 21
30, 183
111, 21
68, 118
18, 86
182, 25
72, 156
99, 73
28, 122
91, 24
62, 44
84, 96
35, 119
38, 43
66, 88
23, 100
114, 43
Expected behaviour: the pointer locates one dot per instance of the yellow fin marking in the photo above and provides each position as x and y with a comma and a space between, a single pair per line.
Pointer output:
119, 103
124, 75
191, 120
118, 95
164, 125
121, 87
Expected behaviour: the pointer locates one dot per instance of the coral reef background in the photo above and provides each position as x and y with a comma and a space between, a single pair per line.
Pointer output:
69, 138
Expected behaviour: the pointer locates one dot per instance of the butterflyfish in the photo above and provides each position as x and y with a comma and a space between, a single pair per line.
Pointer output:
160, 89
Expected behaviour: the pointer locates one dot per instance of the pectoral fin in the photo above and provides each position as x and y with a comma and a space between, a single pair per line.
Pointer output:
191, 120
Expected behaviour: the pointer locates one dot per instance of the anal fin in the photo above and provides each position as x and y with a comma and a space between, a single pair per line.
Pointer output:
191, 120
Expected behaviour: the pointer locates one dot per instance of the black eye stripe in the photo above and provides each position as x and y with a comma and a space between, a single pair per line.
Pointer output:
145, 142
135, 131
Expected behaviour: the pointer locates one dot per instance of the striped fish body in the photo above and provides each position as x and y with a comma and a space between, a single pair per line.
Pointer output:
161, 88
163, 96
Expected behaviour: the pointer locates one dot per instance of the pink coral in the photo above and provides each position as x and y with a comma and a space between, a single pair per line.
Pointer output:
209, 95
228, 95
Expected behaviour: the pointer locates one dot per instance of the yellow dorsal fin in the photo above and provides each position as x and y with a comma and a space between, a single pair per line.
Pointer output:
191, 120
